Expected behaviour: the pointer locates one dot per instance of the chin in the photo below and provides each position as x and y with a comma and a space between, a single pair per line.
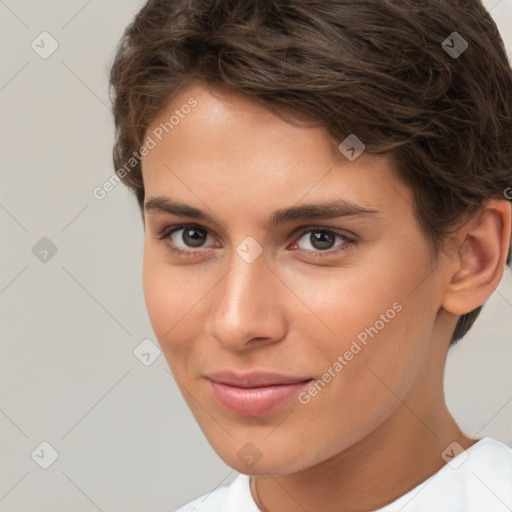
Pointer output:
266, 456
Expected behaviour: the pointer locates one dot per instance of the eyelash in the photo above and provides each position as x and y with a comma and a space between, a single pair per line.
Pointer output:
349, 242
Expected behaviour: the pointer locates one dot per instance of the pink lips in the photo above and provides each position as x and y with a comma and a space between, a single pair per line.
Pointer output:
253, 394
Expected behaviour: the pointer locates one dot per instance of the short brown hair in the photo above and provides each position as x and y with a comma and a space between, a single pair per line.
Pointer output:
374, 68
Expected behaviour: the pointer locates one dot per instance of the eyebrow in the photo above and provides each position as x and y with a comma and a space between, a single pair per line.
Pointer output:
320, 210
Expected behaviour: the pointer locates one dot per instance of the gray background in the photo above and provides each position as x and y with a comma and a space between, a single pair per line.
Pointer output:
124, 436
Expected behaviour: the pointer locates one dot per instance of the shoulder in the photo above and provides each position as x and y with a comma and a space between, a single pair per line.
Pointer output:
478, 479
235, 497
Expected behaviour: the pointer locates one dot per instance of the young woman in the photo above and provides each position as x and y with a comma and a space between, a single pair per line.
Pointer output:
324, 189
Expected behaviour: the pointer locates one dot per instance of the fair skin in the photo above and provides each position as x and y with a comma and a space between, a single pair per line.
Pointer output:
292, 313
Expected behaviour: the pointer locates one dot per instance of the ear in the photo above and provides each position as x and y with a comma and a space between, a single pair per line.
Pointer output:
483, 245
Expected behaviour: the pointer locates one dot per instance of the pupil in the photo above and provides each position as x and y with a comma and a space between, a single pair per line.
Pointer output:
322, 240
190, 239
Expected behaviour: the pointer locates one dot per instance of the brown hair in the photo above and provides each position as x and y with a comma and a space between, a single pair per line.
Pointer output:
374, 68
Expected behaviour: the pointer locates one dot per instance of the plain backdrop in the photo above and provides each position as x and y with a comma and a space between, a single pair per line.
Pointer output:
72, 307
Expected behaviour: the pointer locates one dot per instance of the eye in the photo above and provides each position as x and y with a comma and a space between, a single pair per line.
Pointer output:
184, 239
190, 240
191, 236
322, 240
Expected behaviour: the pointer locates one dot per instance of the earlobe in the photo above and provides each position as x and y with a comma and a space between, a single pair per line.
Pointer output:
484, 243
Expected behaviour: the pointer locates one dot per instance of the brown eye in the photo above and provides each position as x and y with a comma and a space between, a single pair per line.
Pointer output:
192, 236
186, 239
320, 239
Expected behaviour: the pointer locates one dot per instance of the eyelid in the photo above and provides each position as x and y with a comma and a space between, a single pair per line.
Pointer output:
167, 232
337, 231
349, 237
350, 240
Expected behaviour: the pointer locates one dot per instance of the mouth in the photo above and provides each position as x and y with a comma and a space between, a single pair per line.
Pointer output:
253, 394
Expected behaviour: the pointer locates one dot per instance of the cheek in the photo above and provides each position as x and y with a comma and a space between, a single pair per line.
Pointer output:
175, 298
167, 294
158, 302
339, 303
380, 359
372, 320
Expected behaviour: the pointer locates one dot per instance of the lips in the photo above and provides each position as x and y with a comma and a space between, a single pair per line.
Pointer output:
253, 394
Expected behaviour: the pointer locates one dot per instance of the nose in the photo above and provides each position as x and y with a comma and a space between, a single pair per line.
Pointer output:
247, 306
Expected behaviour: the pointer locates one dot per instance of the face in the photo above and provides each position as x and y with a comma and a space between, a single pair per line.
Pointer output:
281, 322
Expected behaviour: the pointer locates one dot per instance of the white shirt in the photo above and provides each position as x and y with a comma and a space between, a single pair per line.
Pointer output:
478, 479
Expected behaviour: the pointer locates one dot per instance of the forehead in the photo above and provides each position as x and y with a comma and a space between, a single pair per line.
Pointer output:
219, 143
